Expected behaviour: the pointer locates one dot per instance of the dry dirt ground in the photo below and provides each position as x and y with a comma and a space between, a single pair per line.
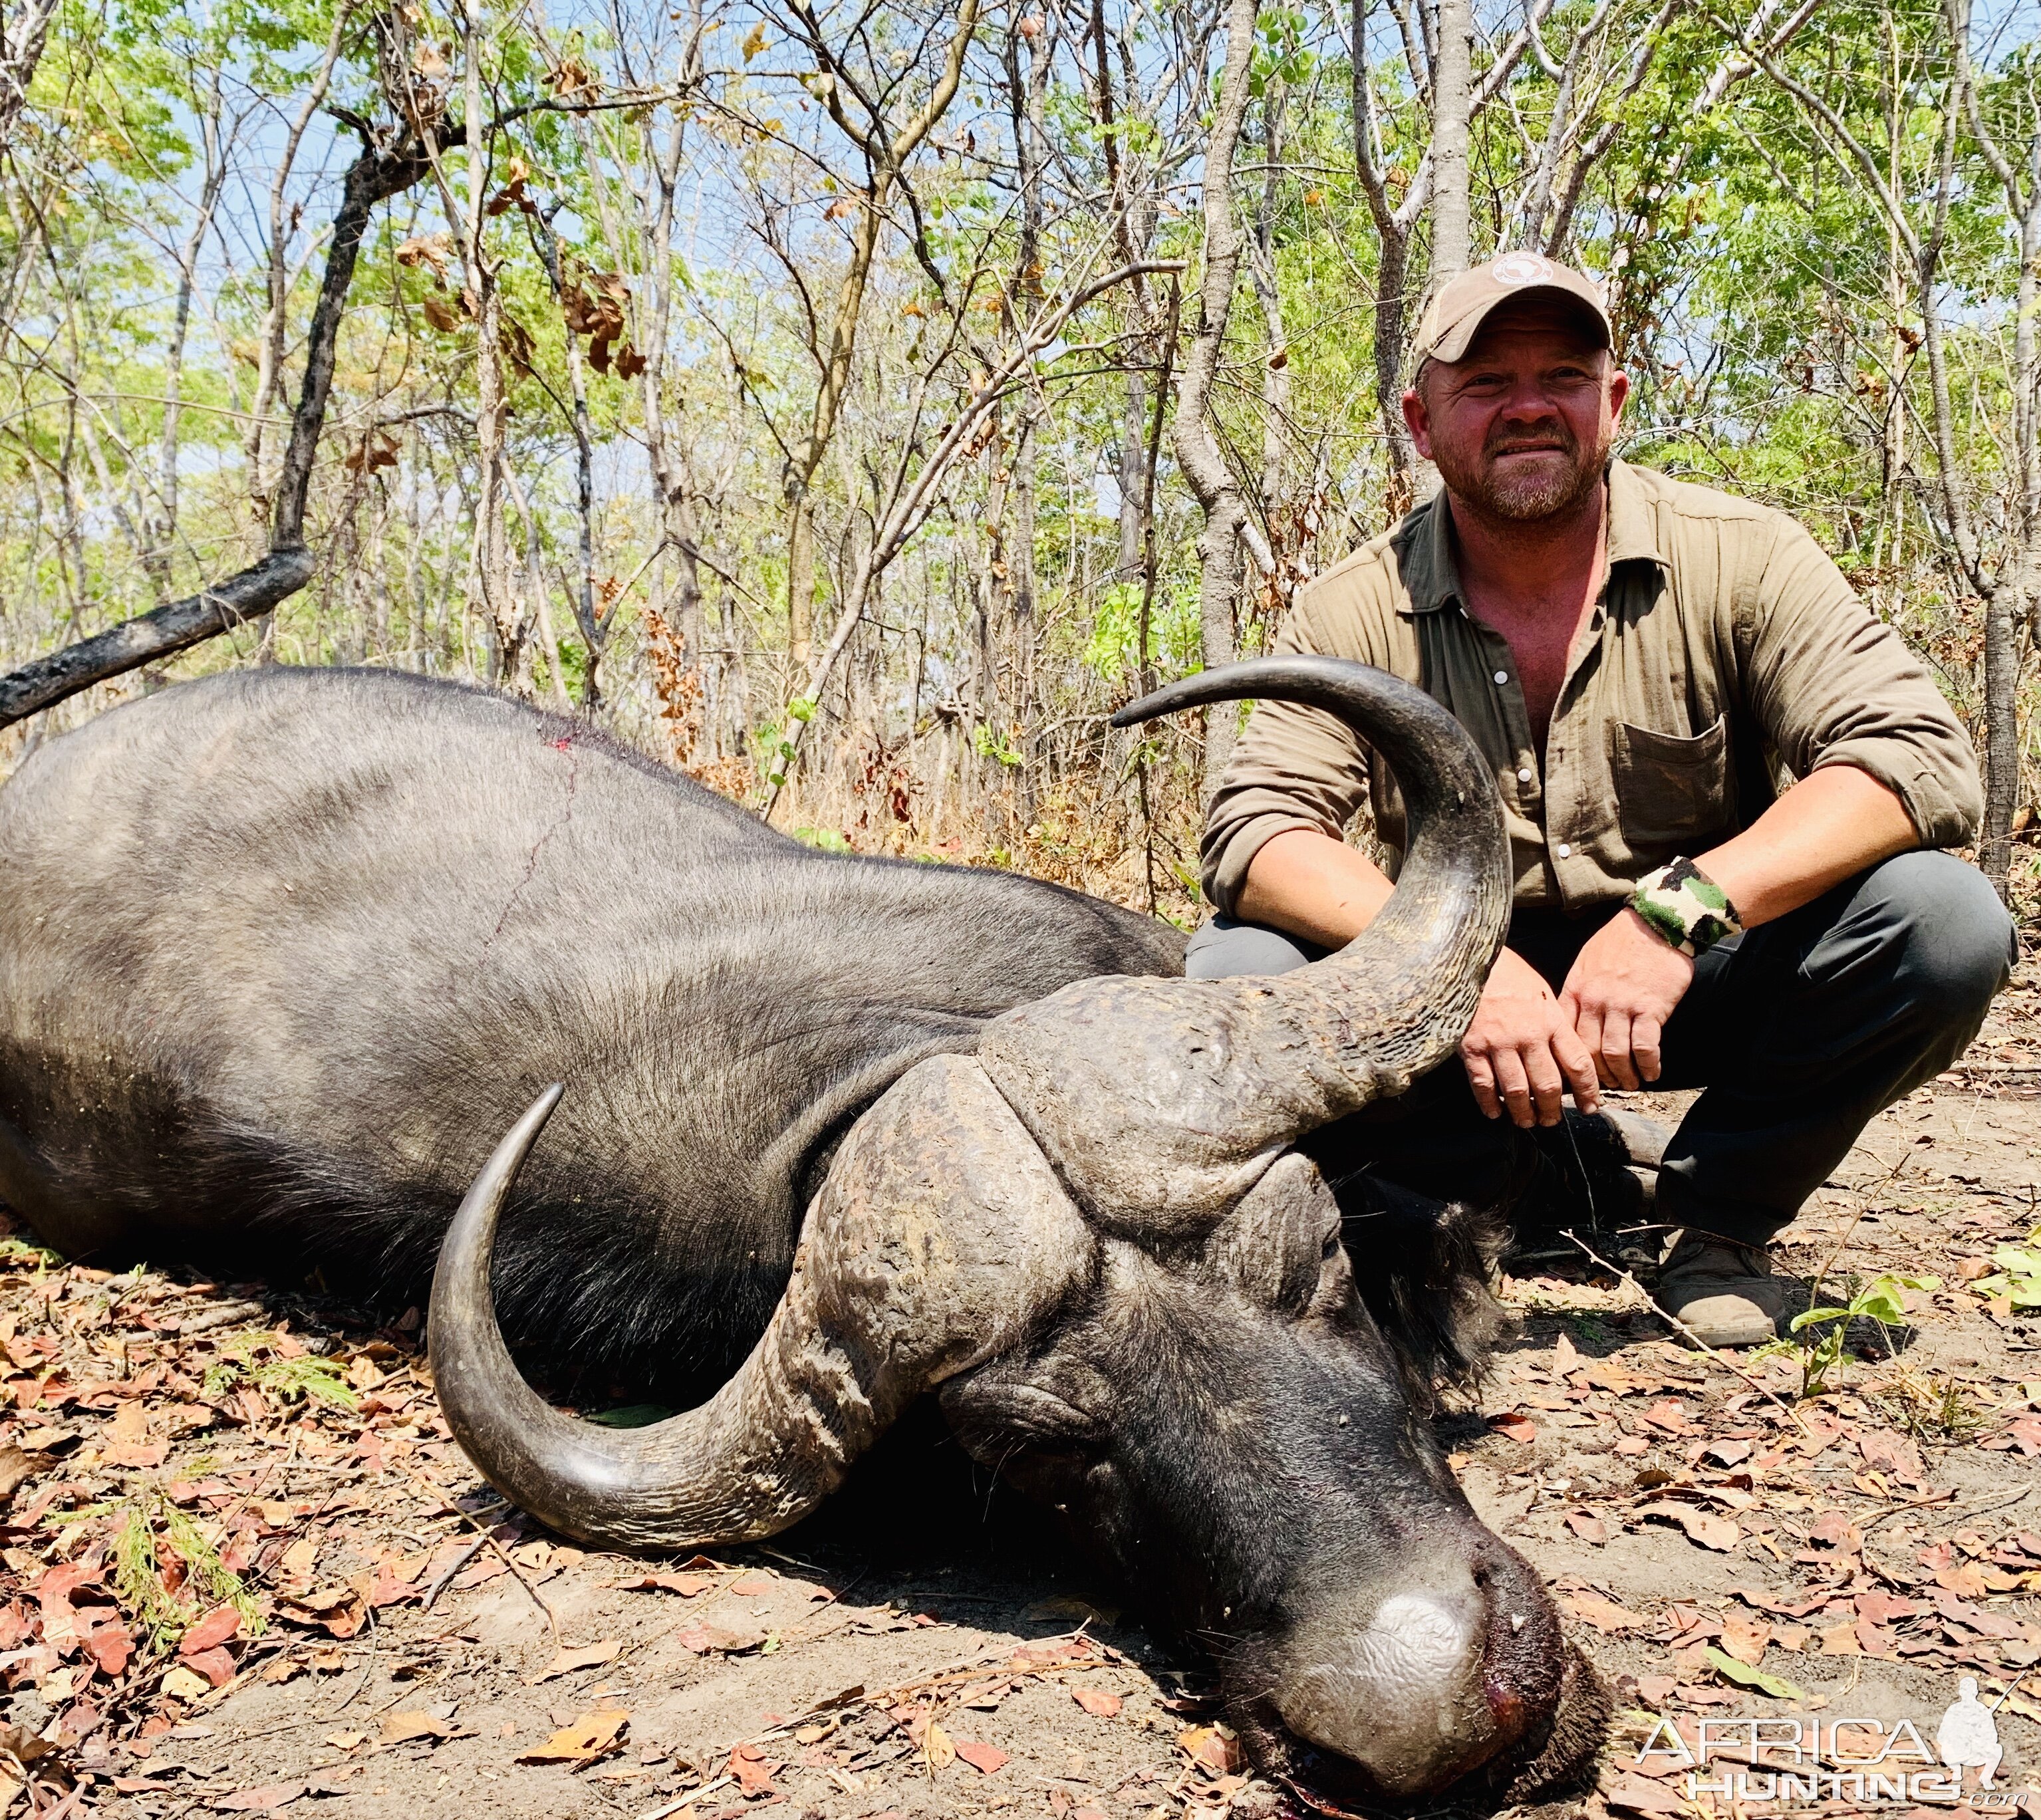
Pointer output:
245, 1569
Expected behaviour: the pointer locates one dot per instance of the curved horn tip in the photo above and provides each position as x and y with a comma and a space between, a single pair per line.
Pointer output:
548, 1100
533, 1120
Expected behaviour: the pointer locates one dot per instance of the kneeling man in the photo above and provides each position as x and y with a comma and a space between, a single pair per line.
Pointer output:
1725, 784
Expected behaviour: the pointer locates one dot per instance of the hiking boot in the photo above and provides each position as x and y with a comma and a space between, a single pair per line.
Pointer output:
1723, 1292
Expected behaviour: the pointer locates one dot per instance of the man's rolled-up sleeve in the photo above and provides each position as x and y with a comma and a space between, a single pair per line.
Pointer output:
1294, 767
1832, 684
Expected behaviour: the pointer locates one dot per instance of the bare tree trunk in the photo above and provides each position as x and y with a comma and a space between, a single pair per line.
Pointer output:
22, 37
1261, 267
269, 354
1026, 100
161, 525
492, 401
886, 150
2016, 594
1451, 96
594, 633
1227, 525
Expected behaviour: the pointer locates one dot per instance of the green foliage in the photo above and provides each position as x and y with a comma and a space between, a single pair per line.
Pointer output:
1112, 651
1280, 52
2016, 1273
823, 840
151, 1522
988, 741
1776, 1687
1882, 1300
305, 1378
26, 1251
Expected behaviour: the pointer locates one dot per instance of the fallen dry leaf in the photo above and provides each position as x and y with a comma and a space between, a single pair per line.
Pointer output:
1520, 1428
752, 1771
1213, 1747
700, 1639
687, 1585
1063, 1609
210, 1631
271, 1794
1588, 1527
216, 1665
1096, 1702
985, 1758
16, 1466
1833, 1530
402, 1727
181, 1684
593, 1735
1704, 1527
751, 1586
1745, 1638
1605, 1614
571, 1661
111, 1648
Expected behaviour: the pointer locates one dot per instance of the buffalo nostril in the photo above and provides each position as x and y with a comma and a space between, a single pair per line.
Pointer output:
1402, 1694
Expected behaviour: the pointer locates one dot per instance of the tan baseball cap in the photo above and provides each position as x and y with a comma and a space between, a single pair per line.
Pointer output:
1458, 307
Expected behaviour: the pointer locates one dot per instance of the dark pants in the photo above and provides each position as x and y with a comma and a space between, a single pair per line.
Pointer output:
1799, 1033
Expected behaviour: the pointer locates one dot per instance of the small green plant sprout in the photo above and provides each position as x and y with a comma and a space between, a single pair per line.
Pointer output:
308, 1377
159, 1617
2015, 1273
1930, 1406
1882, 1300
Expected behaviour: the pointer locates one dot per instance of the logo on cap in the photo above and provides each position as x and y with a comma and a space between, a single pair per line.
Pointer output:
1522, 269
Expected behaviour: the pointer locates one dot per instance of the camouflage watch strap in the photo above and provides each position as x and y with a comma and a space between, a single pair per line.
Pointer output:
1687, 909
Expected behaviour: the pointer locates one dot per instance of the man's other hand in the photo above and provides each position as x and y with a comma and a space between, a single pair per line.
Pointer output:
1622, 988
1521, 1052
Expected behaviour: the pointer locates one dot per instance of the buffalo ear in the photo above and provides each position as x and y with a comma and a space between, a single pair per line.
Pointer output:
1423, 1268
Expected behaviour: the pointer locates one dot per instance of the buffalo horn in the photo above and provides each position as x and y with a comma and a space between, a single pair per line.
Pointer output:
722, 1472
938, 1238
1442, 928
1438, 936
1160, 1101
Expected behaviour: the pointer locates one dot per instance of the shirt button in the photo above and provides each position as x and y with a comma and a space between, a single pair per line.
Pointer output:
1523, 777
1502, 675
1563, 850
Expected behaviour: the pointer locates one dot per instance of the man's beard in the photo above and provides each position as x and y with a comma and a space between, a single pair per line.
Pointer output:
1553, 489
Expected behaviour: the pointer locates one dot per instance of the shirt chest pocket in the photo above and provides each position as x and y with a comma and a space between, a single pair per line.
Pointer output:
1672, 793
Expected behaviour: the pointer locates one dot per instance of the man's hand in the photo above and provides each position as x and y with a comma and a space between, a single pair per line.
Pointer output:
1521, 1052
1619, 992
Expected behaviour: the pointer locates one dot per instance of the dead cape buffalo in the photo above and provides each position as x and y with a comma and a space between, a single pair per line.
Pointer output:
282, 953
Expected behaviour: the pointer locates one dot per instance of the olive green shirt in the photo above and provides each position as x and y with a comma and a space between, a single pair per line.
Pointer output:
1724, 647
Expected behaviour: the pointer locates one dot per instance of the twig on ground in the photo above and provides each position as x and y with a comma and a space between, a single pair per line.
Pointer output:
1680, 1326
441, 1584
502, 1554
690, 1798
368, 1668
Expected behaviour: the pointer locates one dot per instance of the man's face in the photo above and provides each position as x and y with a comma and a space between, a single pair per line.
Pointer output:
1520, 427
